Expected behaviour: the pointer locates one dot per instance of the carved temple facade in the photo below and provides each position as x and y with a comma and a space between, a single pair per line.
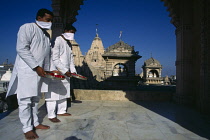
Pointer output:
192, 21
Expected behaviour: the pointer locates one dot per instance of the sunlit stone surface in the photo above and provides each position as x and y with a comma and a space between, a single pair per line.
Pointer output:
116, 120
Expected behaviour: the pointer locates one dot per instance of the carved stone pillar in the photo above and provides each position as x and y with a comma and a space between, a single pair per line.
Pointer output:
65, 11
184, 55
205, 58
192, 20
184, 90
57, 26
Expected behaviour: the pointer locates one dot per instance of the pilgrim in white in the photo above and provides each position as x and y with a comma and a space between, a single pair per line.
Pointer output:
62, 61
33, 52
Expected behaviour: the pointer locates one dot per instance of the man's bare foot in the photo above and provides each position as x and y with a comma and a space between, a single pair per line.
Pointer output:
31, 135
65, 114
41, 126
54, 120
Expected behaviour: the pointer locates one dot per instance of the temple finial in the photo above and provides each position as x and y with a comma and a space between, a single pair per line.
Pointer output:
96, 30
120, 35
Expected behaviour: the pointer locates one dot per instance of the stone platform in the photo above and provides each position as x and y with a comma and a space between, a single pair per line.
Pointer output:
115, 120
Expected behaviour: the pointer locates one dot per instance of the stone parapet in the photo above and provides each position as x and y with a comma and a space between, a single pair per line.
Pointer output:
122, 95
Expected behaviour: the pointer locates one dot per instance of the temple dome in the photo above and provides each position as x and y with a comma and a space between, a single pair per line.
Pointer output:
152, 62
120, 47
6, 76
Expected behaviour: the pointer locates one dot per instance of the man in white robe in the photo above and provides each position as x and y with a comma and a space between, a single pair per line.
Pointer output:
61, 60
33, 52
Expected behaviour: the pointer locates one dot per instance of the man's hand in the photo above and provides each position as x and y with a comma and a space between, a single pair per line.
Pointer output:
40, 71
68, 74
55, 71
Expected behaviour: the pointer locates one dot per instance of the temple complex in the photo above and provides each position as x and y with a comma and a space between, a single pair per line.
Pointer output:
106, 67
192, 21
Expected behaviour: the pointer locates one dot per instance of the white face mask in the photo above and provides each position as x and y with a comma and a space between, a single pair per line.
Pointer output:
68, 36
44, 25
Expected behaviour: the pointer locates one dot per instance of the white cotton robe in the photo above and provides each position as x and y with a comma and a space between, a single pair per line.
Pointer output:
63, 61
33, 49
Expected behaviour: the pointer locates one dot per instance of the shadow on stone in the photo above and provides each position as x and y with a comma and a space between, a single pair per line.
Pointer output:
12, 102
186, 117
72, 138
7, 105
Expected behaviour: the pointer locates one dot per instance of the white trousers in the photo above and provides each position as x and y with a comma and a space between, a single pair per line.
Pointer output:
28, 108
60, 105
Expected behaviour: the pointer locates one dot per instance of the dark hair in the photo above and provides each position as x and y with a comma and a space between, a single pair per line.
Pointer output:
41, 13
69, 27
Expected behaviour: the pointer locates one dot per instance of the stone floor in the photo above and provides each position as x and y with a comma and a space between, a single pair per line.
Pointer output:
116, 120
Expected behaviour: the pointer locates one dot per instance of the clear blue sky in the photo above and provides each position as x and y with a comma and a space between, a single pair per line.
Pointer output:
145, 25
